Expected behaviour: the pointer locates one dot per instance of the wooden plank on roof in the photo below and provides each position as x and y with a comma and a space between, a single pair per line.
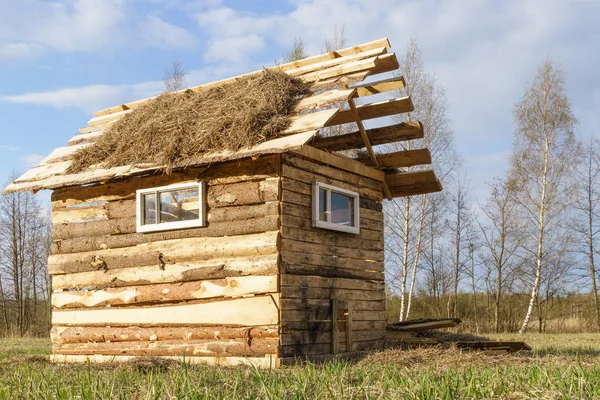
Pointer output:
44, 171
310, 121
387, 63
84, 138
341, 162
387, 134
378, 109
342, 53
342, 69
413, 183
62, 153
47, 176
108, 118
338, 81
325, 99
336, 62
386, 85
399, 159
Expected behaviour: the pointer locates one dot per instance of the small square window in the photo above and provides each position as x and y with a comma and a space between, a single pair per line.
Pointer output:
170, 207
335, 208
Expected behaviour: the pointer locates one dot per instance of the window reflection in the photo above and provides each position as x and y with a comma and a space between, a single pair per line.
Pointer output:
149, 201
179, 205
342, 208
322, 205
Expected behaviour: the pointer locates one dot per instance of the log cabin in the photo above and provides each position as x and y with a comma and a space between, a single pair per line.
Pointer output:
257, 256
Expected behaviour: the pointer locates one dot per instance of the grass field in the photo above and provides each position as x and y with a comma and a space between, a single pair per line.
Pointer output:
560, 367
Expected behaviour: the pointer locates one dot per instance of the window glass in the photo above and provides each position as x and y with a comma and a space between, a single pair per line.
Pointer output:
179, 205
342, 208
149, 202
322, 204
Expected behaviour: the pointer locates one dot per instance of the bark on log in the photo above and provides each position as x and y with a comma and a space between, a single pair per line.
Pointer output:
249, 311
234, 347
84, 334
164, 252
167, 292
182, 272
213, 229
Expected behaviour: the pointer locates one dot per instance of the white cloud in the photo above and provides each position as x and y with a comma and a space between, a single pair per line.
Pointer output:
96, 97
12, 149
31, 160
29, 27
234, 50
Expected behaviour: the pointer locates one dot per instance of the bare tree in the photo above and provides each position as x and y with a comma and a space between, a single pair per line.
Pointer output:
500, 237
586, 224
460, 226
405, 217
21, 232
174, 77
544, 150
337, 40
298, 51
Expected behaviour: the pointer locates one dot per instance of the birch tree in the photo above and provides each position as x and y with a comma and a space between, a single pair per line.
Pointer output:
544, 150
500, 235
460, 226
405, 217
586, 225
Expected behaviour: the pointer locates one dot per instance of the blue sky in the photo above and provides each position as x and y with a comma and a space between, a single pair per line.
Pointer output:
62, 60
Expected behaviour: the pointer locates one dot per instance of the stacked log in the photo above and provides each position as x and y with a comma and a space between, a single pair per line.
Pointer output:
318, 265
205, 294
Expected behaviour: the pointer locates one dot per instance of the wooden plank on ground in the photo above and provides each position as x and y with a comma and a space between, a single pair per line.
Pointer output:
388, 134
250, 311
425, 324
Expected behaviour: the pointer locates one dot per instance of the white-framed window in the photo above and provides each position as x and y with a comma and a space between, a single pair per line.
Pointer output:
335, 208
171, 207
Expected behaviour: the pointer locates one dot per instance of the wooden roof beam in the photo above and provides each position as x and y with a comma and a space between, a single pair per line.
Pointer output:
387, 134
399, 159
367, 142
386, 85
404, 184
374, 110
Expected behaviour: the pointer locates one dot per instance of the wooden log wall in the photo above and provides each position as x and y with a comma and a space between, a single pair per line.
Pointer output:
319, 265
207, 293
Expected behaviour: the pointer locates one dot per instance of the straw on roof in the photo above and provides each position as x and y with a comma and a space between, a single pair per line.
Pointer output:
176, 127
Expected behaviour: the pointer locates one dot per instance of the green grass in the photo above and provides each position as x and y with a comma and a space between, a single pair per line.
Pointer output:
561, 367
